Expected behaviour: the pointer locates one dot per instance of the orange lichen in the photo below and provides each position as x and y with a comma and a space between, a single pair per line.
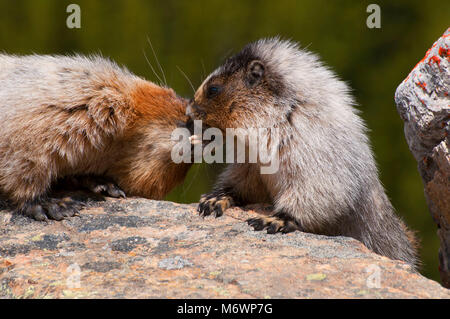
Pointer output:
436, 60
423, 103
444, 52
423, 85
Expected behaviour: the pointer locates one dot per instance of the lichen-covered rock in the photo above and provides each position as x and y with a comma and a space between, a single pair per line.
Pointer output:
138, 248
424, 105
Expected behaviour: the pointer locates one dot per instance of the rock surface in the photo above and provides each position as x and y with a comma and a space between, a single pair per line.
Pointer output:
424, 105
138, 248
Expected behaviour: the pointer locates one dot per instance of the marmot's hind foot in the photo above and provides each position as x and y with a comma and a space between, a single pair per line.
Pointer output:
108, 189
279, 222
96, 184
51, 208
214, 203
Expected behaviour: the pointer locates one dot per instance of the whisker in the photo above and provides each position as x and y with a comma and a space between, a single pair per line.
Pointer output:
307, 46
157, 61
151, 66
184, 74
227, 54
204, 70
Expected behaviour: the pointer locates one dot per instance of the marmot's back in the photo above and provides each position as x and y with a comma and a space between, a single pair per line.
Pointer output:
30, 82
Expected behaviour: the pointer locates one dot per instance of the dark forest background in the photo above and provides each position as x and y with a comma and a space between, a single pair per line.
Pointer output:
197, 35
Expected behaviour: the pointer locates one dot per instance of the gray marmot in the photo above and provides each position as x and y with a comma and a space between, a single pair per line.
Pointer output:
83, 118
327, 181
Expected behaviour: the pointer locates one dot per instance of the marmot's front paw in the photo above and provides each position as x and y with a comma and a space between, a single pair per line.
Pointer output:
213, 203
275, 223
51, 208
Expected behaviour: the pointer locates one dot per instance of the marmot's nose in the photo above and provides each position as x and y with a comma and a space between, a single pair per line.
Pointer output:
193, 109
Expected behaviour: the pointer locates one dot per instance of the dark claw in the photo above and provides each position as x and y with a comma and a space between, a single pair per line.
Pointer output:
272, 229
256, 223
99, 189
68, 212
56, 209
206, 211
218, 211
276, 223
203, 207
96, 184
36, 212
114, 191
214, 203
53, 211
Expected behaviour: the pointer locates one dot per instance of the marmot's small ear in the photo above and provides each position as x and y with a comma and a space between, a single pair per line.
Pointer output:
255, 72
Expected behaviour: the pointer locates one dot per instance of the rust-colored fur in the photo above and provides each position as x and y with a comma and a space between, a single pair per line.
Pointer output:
146, 168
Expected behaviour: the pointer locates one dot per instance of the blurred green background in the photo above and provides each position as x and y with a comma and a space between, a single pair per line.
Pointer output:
197, 35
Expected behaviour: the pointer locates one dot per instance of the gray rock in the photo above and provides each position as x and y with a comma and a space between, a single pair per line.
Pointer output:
138, 248
424, 105
176, 262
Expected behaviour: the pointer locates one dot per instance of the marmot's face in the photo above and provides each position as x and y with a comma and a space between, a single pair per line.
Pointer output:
240, 93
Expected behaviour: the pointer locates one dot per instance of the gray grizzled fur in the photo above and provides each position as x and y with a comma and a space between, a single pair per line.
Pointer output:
328, 181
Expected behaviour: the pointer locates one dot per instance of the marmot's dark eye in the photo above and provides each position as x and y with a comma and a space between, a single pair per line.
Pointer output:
212, 91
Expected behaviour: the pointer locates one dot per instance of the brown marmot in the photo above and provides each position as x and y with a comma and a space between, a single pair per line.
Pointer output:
84, 118
327, 181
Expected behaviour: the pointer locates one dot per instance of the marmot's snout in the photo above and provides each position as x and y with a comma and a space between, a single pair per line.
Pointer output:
194, 111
